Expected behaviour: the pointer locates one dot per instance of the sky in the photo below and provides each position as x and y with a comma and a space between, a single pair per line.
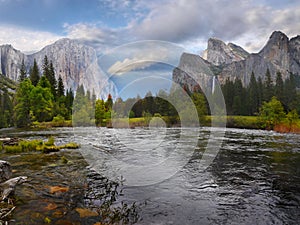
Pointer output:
29, 25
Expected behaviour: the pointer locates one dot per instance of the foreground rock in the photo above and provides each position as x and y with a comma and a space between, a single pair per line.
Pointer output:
8, 185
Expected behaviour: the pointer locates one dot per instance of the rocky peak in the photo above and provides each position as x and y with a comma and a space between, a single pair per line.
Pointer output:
276, 49
218, 53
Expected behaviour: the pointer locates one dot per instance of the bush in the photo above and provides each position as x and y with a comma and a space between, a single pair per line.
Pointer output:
30, 145
50, 141
70, 145
13, 148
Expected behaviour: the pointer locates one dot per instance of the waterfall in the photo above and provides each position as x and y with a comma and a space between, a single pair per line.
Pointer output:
213, 84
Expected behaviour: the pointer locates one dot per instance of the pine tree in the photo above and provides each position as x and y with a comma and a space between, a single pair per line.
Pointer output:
34, 73
23, 72
41, 94
52, 79
253, 95
290, 93
6, 109
46, 67
48, 72
279, 87
60, 87
69, 102
268, 87
22, 107
260, 89
109, 102
94, 98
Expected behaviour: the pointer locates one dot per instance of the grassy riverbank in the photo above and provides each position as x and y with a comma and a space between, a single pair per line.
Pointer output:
243, 122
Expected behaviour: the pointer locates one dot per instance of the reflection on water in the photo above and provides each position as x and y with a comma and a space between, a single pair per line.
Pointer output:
255, 179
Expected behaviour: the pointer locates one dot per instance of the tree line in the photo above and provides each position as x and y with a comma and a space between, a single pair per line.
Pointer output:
40, 97
248, 100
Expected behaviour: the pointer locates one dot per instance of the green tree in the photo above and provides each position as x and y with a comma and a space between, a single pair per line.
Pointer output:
22, 105
60, 87
271, 113
200, 104
109, 102
23, 72
6, 109
49, 73
100, 112
268, 87
83, 113
41, 94
228, 93
279, 87
239, 107
69, 102
253, 95
34, 74
292, 118
290, 99
260, 89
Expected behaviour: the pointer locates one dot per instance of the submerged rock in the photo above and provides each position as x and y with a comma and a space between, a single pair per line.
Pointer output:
5, 171
9, 186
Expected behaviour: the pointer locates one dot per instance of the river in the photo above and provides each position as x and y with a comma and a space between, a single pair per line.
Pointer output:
254, 178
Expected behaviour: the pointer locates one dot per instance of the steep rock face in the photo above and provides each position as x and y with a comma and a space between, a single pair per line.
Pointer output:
218, 53
74, 62
10, 61
278, 55
193, 72
294, 54
231, 62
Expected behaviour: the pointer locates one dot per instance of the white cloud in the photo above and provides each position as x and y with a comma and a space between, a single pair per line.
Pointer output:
24, 39
97, 35
141, 56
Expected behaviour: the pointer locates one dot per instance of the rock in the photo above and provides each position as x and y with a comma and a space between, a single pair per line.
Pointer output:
10, 141
5, 171
86, 212
58, 189
50, 206
218, 53
9, 186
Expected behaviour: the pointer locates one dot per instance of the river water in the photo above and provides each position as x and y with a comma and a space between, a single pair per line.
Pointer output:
254, 178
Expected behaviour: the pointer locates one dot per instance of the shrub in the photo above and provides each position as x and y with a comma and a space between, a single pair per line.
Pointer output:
30, 145
50, 141
13, 148
70, 145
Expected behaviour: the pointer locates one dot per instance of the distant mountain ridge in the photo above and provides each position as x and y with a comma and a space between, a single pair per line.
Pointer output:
74, 62
230, 61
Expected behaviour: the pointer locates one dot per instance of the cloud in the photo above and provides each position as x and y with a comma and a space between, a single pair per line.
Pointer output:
191, 21
24, 39
97, 35
139, 56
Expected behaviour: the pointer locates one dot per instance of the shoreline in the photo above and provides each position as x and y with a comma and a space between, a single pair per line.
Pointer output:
239, 122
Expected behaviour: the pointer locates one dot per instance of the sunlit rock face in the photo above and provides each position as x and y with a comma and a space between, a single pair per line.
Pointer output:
76, 63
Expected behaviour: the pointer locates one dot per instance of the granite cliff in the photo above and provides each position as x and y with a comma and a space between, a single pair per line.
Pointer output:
74, 62
230, 61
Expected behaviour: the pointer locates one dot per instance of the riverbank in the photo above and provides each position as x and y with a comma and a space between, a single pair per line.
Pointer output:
241, 122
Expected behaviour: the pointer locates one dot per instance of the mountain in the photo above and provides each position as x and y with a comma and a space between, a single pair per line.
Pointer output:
218, 53
74, 62
280, 54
